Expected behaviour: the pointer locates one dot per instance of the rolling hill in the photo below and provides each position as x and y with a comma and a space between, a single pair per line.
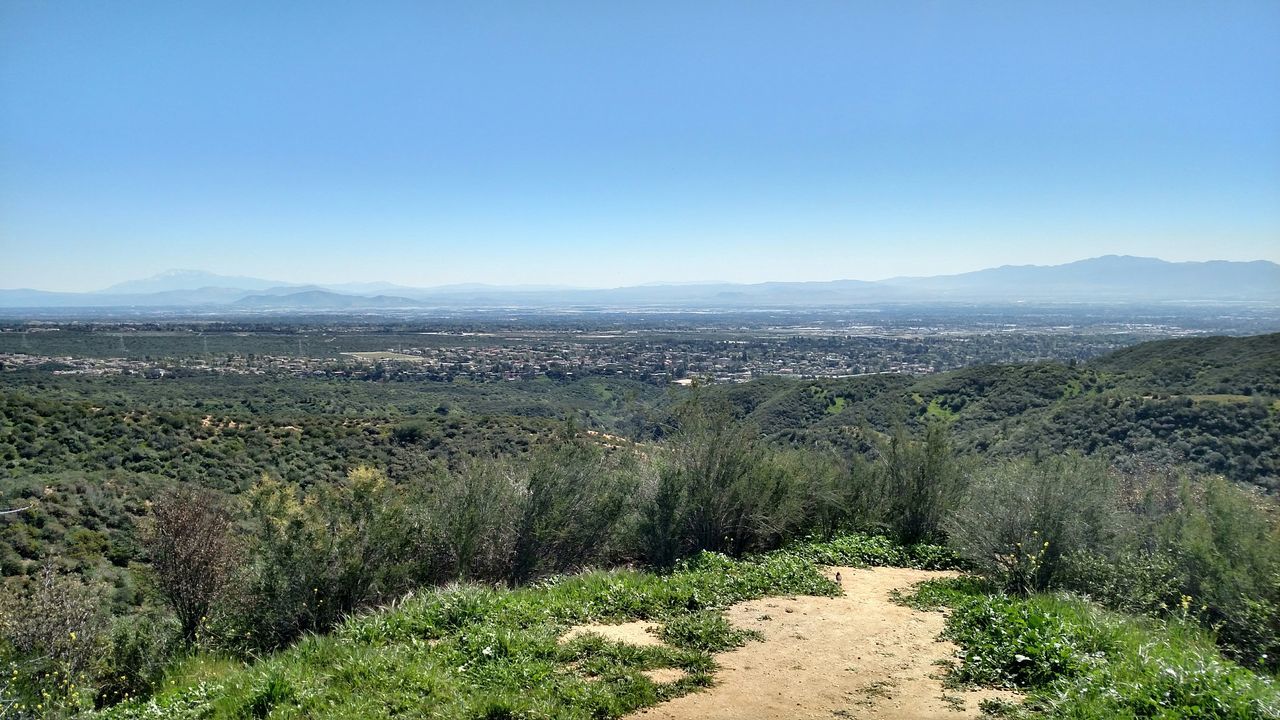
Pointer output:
1212, 403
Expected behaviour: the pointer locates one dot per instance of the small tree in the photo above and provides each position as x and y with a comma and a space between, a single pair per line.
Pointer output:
922, 482
193, 553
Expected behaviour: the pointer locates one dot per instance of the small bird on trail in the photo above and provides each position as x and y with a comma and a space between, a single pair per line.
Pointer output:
837, 576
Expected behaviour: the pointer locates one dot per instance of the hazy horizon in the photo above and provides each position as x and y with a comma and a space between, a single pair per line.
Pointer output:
247, 280
603, 146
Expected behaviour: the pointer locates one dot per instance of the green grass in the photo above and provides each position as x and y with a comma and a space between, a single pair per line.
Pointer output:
477, 652
473, 652
936, 411
1230, 399
1078, 661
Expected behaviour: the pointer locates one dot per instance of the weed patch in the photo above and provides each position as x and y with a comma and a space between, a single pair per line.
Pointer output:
1081, 662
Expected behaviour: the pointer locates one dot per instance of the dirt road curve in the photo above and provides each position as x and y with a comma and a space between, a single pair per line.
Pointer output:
856, 656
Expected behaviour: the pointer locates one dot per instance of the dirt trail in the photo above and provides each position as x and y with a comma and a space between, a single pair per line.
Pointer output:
856, 656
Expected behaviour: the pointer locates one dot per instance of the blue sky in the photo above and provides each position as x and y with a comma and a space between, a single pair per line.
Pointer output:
601, 144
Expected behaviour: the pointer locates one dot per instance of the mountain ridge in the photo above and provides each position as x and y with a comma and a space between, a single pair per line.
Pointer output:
1109, 278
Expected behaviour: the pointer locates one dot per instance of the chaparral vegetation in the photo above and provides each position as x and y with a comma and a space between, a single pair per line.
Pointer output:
283, 546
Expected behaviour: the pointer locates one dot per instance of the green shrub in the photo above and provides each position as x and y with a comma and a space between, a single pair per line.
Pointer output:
1021, 520
474, 513
921, 483
1203, 549
1077, 661
1226, 552
1130, 579
572, 505
858, 549
718, 488
138, 652
319, 555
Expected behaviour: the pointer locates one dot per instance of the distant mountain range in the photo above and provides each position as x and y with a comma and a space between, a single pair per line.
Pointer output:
1112, 278
175, 280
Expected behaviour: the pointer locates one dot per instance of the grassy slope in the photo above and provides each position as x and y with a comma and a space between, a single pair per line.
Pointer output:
1076, 660
480, 653
468, 652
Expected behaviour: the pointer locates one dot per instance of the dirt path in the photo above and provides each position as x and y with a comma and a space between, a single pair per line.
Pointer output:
856, 656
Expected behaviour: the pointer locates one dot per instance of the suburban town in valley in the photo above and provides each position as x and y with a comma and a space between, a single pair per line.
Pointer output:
647, 356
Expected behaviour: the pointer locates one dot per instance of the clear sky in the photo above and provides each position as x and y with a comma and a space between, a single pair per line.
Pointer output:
600, 143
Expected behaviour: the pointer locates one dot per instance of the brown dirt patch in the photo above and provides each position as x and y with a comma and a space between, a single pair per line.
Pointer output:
635, 633
856, 656
664, 675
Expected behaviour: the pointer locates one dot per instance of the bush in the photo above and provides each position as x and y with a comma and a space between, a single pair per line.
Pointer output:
1134, 580
1226, 553
138, 652
1204, 549
50, 635
1020, 520
472, 514
921, 482
718, 488
573, 501
319, 555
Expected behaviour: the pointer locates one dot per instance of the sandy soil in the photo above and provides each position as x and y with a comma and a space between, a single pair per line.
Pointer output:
633, 633
856, 656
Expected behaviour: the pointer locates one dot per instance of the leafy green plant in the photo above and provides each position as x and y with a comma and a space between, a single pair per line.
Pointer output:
705, 630
1078, 661
1015, 643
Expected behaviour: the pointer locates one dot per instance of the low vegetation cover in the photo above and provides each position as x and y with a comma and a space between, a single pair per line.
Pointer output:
250, 589
471, 651
1077, 660
1155, 544
467, 651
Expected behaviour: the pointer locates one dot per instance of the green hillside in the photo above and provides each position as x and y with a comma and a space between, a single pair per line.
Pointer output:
294, 504
1209, 403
